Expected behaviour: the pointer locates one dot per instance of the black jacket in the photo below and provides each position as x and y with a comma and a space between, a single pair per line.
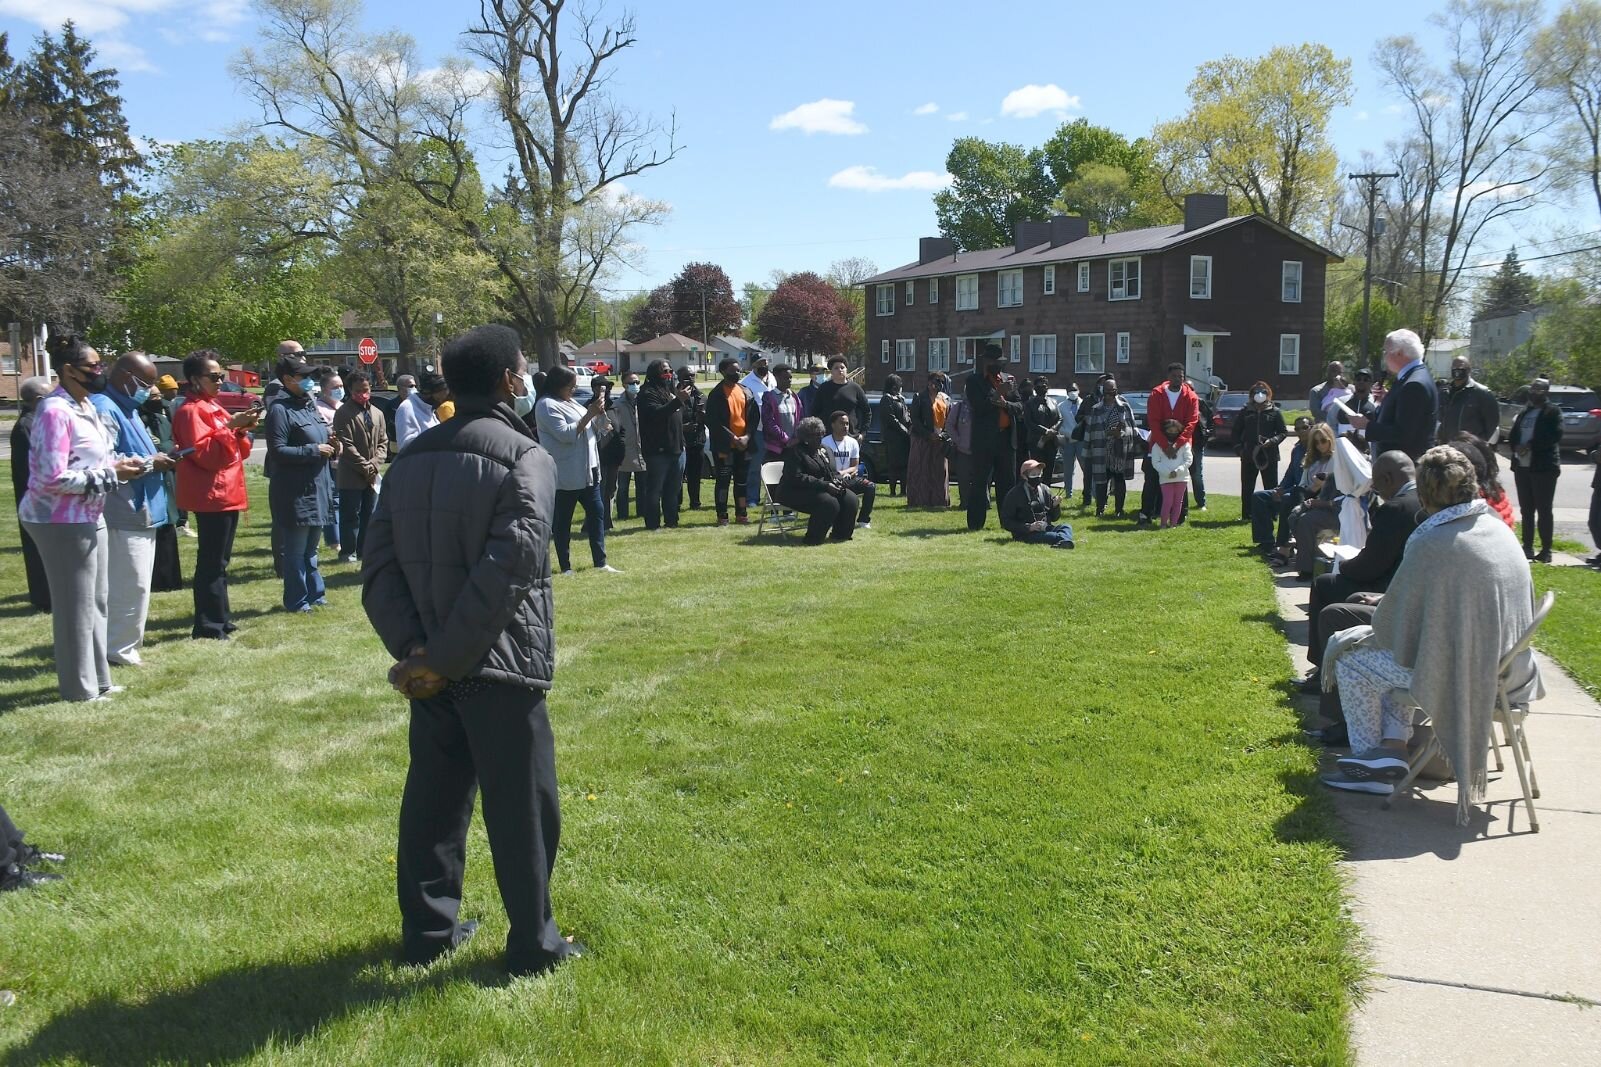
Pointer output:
1393, 521
661, 420
897, 421
1472, 408
808, 470
988, 436
1252, 427
1546, 444
1362, 407
849, 398
717, 416
695, 418
923, 416
20, 442
1020, 507
1405, 422
1042, 417
301, 492
458, 554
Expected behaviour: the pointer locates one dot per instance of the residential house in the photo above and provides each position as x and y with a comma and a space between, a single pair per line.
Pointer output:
1235, 298
1440, 353
613, 351
1493, 338
675, 348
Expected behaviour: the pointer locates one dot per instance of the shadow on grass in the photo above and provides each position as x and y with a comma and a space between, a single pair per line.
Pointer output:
17, 607
29, 698
230, 1016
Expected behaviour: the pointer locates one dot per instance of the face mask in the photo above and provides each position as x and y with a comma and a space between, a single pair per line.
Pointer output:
632, 390
336, 395
819, 379
1460, 375
1035, 479
94, 382
1260, 398
140, 395
524, 404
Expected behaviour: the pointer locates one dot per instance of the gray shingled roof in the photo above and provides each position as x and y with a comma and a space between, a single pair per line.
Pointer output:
1126, 243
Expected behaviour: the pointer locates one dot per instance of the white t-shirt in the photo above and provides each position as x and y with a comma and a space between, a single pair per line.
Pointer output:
846, 453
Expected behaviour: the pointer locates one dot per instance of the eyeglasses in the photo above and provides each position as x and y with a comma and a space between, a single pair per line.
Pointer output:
218, 378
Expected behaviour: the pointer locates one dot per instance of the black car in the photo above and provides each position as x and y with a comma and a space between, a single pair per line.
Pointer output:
1227, 409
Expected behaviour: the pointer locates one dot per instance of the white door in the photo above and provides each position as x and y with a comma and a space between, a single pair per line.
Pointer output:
1199, 364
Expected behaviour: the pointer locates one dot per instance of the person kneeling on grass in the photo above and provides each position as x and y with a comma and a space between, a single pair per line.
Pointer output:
1460, 600
1029, 510
812, 485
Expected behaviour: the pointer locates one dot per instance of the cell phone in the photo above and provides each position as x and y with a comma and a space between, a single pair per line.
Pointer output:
182, 452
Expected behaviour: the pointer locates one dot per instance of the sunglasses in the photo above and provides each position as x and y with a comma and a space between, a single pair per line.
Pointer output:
216, 378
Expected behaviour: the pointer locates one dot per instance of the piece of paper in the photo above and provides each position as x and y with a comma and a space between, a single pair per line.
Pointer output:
1330, 550
1145, 435
1340, 403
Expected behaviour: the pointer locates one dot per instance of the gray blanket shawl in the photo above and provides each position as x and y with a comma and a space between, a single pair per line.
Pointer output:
1459, 602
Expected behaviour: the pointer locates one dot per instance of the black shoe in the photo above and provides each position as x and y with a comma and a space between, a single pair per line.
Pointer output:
15, 877
575, 950
1118, 514
424, 958
1544, 556
1312, 684
32, 855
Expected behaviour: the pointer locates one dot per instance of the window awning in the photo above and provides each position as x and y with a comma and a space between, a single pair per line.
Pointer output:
1207, 331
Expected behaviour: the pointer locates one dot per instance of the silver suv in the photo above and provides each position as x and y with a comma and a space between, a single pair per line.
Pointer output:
1581, 415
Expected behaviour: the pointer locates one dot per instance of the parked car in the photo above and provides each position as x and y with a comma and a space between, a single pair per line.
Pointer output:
386, 400
234, 398
1141, 403
1581, 415
1224, 412
593, 366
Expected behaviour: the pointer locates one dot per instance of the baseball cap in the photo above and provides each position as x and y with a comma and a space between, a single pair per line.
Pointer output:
298, 365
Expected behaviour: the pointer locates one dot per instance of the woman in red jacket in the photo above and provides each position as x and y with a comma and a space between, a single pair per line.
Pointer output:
211, 483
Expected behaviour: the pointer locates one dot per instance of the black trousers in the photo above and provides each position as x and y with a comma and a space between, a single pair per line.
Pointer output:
1537, 490
33, 566
1595, 514
213, 552
1119, 488
1198, 472
866, 492
733, 468
495, 738
10, 840
694, 460
986, 469
1332, 591
167, 575
1047, 456
1248, 477
828, 516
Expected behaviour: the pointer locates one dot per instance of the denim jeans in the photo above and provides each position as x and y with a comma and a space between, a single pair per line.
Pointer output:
1264, 509
658, 490
330, 533
302, 580
355, 511
594, 523
1067, 458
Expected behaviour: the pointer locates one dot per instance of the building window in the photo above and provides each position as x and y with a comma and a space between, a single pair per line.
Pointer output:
1122, 348
1289, 353
939, 354
911, 291
1009, 288
883, 350
968, 349
1042, 354
1083, 277
1290, 283
933, 290
905, 355
1123, 279
967, 292
886, 300
1050, 279
1089, 353
1200, 277
1017, 347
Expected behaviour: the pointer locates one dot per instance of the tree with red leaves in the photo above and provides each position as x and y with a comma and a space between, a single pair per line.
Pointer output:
676, 307
806, 315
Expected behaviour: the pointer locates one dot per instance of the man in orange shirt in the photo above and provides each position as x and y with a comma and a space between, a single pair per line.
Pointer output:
732, 419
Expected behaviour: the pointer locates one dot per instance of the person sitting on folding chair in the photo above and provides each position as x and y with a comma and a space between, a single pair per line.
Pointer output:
847, 453
1460, 601
812, 485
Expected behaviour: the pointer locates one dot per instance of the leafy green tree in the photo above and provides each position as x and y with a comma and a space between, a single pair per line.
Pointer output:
996, 186
1079, 145
1342, 330
1510, 290
1102, 193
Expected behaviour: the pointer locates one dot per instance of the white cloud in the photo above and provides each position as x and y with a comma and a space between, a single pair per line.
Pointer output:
1032, 100
474, 81
820, 116
127, 58
1393, 109
104, 22
929, 108
869, 180
956, 116
1362, 116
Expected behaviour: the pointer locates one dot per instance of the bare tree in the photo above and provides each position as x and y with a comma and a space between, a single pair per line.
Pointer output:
1475, 136
1567, 55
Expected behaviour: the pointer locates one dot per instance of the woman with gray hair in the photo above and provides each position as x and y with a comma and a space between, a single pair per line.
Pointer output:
812, 485
1460, 600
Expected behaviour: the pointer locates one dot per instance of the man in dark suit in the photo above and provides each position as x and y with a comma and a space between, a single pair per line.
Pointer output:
1370, 570
1406, 419
997, 412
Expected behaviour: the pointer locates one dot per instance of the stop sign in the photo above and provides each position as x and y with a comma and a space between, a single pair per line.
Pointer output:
367, 350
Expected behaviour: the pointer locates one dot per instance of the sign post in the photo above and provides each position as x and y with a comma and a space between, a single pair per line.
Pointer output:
368, 351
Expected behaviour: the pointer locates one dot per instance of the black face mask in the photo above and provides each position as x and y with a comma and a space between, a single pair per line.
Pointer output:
1035, 480
1460, 375
93, 382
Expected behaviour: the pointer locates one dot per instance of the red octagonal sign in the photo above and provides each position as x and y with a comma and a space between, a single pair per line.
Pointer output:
367, 350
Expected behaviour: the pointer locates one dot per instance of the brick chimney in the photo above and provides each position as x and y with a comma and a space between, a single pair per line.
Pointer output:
1031, 234
1066, 229
1203, 209
931, 248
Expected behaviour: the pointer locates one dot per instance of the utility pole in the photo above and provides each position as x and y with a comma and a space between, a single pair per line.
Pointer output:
1373, 179
704, 339
594, 324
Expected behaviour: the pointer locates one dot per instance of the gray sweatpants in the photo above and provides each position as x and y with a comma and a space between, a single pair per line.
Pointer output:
77, 560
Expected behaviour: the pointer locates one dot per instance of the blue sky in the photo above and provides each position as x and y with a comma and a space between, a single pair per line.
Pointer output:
860, 77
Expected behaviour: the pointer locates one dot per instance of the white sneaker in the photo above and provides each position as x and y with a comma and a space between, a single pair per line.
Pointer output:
1358, 785
187, 532
864, 526
607, 568
352, 558
567, 573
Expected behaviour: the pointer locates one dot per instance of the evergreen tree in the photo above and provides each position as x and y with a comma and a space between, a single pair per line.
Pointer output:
1511, 290
79, 105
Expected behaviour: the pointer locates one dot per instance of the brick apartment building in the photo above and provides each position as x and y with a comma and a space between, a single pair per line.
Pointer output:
1234, 297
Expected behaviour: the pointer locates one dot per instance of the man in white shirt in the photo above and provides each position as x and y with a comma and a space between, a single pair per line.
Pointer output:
847, 453
758, 381
416, 413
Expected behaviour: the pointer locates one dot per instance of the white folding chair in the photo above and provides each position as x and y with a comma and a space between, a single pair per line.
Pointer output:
1512, 717
772, 511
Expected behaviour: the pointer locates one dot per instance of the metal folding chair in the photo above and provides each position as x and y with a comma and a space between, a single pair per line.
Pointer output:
772, 511
1512, 717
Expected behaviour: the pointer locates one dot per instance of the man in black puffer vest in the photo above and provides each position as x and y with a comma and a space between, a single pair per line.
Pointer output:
456, 580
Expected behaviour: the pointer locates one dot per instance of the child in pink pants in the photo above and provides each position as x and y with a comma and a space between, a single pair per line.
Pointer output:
1174, 473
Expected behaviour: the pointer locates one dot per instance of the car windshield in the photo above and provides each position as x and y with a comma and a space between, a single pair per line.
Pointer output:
1229, 401
1580, 402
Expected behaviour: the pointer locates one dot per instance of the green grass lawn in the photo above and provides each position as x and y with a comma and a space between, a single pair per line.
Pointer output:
1569, 632
925, 797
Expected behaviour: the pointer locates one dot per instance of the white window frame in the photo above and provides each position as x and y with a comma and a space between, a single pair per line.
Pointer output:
1049, 287
884, 299
939, 354
1206, 290
933, 290
1112, 289
1083, 353
1042, 353
1284, 281
905, 354
971, 301
1125, 349
1288, 368
1016, 345
911, 293
1009, 281
883, 350
1083, 277
962, 353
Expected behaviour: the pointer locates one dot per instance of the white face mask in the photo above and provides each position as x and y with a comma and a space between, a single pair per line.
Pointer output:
1260, 398
819, 379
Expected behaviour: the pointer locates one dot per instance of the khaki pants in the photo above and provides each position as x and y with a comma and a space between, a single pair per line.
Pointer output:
132, 561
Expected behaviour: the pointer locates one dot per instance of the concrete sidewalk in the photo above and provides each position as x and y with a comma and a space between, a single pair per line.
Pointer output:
1484, 940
